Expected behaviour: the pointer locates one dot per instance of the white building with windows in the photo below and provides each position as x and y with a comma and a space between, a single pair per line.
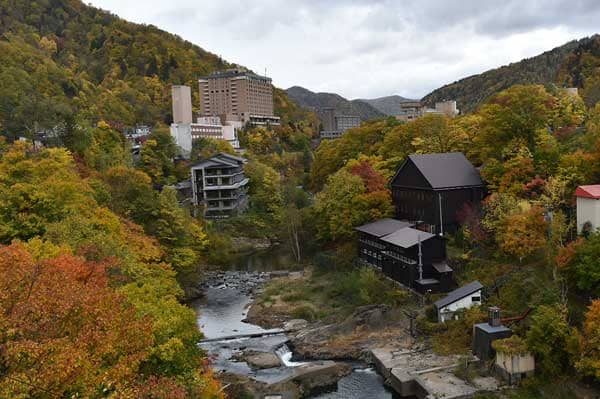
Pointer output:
588, 208
464, 297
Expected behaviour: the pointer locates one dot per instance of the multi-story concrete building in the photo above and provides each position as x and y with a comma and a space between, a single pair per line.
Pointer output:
185, 132
447, 108
240, 93
334, 125
411, 110
219, 186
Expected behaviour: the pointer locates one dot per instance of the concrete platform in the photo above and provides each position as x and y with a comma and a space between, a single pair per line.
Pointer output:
425, 375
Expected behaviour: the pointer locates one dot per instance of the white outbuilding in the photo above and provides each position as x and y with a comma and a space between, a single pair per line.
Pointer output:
464, 297
588, 208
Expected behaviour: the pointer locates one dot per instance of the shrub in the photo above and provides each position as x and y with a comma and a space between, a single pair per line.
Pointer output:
306, 312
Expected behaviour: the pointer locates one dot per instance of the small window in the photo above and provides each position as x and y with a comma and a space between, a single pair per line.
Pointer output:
476, 299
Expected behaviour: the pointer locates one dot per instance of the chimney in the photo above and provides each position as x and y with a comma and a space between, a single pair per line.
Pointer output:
494, 316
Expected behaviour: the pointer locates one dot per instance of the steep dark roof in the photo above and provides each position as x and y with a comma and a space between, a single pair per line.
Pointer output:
407, 237
383, 227
447, 170
459, 294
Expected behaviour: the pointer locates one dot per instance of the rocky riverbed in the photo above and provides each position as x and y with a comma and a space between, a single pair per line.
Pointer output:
265, 365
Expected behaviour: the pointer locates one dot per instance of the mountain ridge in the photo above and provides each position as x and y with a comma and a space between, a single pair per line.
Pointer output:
389, 105
549, 67
318, 102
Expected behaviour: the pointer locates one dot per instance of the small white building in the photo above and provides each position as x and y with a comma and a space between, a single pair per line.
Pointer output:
588, 208
513, 361
464, 297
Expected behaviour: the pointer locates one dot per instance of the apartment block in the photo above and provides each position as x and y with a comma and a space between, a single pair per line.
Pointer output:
219, 186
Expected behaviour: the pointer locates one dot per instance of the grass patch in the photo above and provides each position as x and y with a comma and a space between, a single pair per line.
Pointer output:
330, 294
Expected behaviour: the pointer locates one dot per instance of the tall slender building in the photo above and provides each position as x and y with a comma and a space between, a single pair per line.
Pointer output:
182, 104
239, 94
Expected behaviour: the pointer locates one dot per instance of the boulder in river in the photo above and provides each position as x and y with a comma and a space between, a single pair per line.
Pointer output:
318, 376
262, 360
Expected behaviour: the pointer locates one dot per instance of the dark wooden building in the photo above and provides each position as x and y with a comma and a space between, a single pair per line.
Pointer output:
370, 245
417, 259
431, 189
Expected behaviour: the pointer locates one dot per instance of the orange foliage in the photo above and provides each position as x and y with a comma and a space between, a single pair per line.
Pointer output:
589, 362
566, 254
372, 179
65, 330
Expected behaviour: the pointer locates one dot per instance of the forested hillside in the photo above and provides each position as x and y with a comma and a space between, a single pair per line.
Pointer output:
62, 61
543, 69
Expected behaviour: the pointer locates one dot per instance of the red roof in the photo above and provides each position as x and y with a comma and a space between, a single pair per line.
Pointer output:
588, 191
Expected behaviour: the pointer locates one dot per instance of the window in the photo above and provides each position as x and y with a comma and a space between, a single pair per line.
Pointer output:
476, 299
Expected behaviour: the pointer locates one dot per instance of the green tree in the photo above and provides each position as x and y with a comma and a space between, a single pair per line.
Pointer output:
517, 113
265, 189
551, 340
157, 157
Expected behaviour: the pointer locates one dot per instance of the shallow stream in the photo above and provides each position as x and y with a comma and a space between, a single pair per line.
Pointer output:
220, 315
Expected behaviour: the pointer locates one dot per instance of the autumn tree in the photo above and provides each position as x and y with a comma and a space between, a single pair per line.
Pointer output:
69, 333
265, 188
107, 149
522, 233
345, 203
581, 263
517, 113
588, 362
157, 157
551, 339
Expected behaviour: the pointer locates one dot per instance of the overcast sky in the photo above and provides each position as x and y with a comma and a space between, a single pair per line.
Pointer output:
368, 48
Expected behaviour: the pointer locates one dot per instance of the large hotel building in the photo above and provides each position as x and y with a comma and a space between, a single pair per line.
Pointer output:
238, 94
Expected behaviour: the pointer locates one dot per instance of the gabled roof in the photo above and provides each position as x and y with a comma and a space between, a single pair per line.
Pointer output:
588, 191
446, 170
383, 227
459, 294
407, 237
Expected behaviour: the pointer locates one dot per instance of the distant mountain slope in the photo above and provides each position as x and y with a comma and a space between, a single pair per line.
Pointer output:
472, 91
319, 101
389, 105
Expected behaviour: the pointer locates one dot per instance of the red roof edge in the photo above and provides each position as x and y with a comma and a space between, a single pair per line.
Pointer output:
588, 191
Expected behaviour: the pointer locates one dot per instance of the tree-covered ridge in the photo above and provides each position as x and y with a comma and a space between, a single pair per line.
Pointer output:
62, 60
550, 67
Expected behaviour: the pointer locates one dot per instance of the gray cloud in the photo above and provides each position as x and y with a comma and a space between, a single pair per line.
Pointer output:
368, 48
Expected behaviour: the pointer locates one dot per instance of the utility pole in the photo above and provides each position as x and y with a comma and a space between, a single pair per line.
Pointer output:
441, 220
420, 258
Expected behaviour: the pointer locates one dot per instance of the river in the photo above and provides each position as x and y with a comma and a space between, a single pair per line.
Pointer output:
220, 314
